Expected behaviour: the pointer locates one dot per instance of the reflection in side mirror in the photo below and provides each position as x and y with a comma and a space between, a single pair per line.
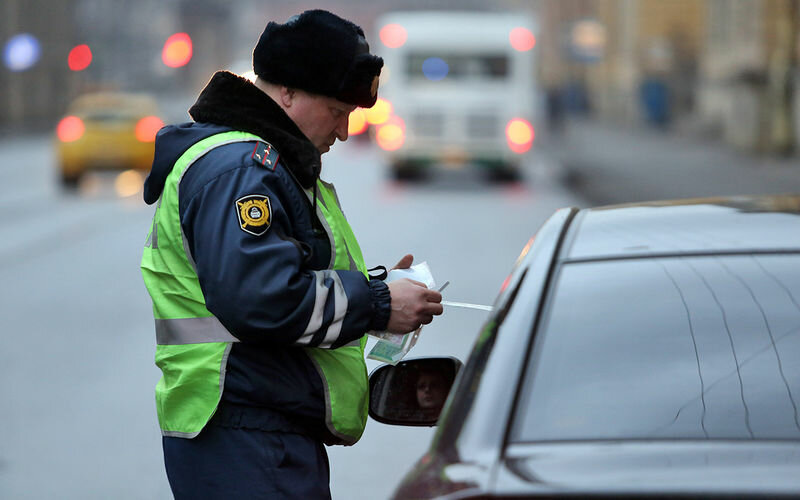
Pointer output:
411, 392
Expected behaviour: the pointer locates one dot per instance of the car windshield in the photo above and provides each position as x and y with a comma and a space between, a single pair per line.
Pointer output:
676, 348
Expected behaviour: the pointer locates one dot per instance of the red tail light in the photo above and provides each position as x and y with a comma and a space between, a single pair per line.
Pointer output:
393, 35
522, 39
147, 128
519, 134
70, 129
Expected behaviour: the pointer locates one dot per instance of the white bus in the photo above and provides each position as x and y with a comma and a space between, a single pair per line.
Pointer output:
461, 89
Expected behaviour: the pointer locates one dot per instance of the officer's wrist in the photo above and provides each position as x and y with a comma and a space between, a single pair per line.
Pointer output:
381, 305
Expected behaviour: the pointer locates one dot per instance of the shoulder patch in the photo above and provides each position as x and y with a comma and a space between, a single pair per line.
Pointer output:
255, 213
265, 155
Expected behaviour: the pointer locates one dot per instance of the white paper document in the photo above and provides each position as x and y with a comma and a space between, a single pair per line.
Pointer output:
392, 347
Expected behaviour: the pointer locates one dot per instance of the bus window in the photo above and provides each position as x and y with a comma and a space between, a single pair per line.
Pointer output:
460, 66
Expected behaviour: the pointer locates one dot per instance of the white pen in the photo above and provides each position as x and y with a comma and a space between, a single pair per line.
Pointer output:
467, 305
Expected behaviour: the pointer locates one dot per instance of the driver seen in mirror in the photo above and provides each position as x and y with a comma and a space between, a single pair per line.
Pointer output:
432, 390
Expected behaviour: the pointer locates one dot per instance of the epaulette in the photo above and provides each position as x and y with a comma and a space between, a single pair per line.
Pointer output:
265, 155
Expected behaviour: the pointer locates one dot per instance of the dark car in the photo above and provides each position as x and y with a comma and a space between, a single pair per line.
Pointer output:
647, 350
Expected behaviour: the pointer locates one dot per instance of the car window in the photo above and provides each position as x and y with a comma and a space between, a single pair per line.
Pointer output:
701, 347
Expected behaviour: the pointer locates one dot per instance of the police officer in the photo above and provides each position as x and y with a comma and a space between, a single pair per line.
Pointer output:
260, 293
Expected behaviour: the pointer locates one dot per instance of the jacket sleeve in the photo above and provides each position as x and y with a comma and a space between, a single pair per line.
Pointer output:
259, 285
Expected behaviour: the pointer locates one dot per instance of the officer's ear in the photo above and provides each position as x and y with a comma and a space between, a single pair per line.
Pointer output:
287, 96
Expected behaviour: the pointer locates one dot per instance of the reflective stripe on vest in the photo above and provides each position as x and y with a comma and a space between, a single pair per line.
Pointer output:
193, 346
182, 331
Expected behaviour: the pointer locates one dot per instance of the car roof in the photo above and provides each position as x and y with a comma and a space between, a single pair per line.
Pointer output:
696, 226
114, 100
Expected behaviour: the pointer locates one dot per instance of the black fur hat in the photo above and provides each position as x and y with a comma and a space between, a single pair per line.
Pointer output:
321, 53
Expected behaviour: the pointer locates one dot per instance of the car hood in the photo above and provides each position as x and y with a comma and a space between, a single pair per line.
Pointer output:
758, 467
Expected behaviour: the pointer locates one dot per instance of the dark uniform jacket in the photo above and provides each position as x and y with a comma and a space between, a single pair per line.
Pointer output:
262, 287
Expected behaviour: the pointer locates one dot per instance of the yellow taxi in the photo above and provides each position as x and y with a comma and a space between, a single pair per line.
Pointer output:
106, 131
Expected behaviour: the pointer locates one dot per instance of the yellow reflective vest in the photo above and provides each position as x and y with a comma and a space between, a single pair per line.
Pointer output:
192, 344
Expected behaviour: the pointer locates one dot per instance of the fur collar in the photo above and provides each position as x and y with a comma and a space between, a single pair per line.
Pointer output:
235, 102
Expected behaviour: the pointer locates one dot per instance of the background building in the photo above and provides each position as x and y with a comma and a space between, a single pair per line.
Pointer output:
750, 75
726, 68
29, 94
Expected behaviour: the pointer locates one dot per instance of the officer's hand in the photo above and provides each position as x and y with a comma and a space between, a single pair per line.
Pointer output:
413, 304
405, 262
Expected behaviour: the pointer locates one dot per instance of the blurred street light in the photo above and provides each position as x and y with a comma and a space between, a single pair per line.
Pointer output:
522, 39
177, 50
128, 183
519, 134
379, 112
391, 135
357, 123
587, 40
393, 35
80, 57
435, 68
21, 52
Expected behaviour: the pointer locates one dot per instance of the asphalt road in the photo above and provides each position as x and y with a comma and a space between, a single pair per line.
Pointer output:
608, 163
78, 342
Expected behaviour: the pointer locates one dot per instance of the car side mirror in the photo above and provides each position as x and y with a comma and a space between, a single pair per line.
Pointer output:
412, 392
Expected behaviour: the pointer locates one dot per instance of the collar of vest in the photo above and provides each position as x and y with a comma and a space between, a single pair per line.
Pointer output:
235, 102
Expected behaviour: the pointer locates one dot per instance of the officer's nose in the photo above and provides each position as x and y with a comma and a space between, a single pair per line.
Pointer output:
341, 127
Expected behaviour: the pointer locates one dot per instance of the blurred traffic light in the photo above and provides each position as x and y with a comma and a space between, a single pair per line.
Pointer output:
80, 57
21, 52
177, 50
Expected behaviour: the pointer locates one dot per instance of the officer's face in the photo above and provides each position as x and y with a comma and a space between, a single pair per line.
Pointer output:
322, 119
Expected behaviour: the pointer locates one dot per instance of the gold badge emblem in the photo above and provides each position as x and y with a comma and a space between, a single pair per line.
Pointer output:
374, 89
254, 213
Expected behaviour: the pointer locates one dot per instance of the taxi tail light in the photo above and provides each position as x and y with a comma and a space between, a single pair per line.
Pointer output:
70, 129
391, 135
519, 135
147, 128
